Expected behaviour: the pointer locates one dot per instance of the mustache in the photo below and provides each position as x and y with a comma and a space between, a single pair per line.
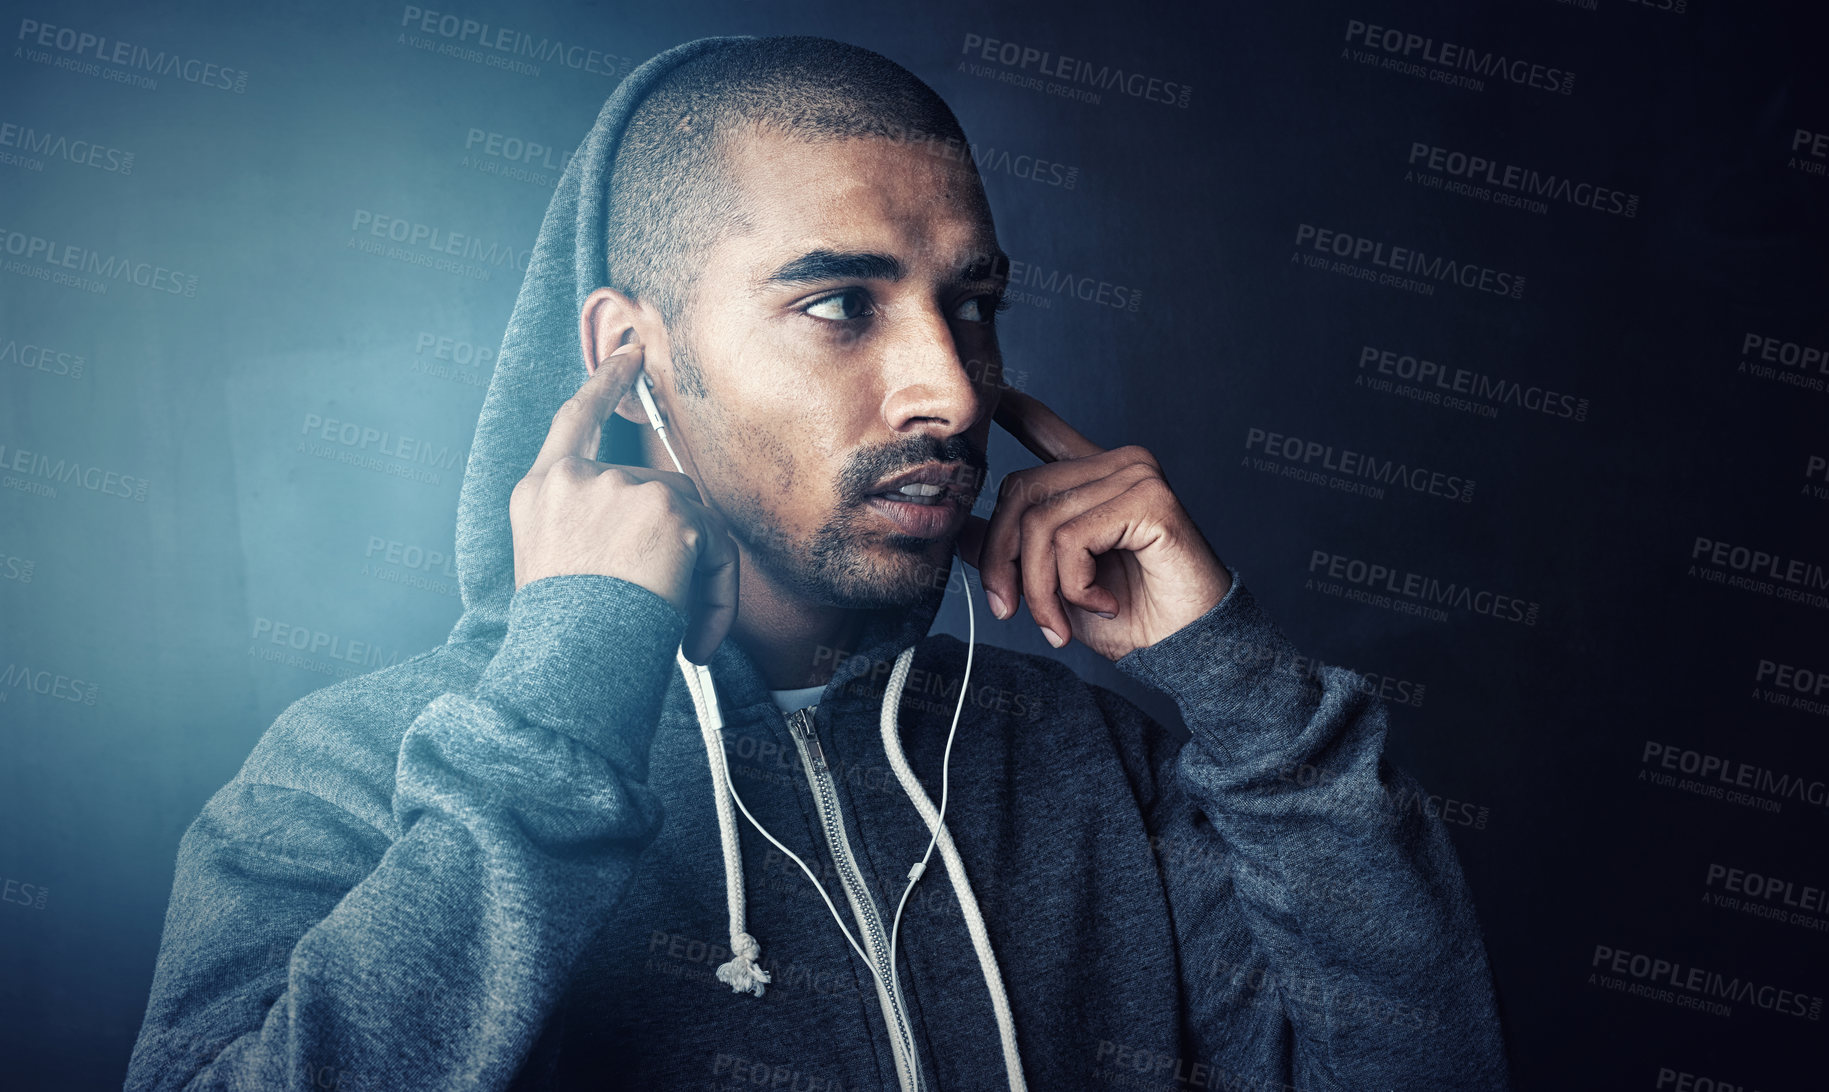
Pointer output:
871, 465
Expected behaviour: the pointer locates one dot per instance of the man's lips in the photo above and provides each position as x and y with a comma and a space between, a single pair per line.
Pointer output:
933, 483
935, 502
921, 518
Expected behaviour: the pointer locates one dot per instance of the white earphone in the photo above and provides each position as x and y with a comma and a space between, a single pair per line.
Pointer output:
643, 391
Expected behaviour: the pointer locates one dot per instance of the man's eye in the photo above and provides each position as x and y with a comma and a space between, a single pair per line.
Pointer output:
840, 306
981, 308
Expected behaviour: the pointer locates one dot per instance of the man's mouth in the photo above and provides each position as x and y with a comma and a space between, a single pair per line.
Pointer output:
932, 483
917, 494
927, 502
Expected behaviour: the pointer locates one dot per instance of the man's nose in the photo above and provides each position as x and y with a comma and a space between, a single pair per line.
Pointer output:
929, 386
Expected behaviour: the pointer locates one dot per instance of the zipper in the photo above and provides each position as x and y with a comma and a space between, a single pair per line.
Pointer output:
863, 908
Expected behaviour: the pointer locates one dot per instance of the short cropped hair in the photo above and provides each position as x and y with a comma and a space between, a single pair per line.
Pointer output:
670, 197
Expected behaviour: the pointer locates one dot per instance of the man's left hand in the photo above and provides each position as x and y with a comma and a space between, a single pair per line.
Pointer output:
1094, 540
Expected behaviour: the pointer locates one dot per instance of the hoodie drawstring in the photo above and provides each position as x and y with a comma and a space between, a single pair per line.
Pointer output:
955, 870
742, 973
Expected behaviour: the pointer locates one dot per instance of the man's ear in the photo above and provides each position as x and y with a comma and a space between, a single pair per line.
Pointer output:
610, 320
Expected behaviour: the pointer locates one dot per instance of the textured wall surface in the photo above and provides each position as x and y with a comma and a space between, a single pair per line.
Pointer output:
1489, 340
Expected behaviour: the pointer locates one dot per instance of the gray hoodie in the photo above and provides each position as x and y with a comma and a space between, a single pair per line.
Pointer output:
501, 864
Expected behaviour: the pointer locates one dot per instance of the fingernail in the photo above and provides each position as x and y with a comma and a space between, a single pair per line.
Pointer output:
998, 606
624, 350
1053, 637
1106, 613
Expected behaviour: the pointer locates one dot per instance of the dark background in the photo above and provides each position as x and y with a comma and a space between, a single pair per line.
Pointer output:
137, 632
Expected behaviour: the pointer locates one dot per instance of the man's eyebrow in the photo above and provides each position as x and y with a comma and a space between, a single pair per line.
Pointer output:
818, 266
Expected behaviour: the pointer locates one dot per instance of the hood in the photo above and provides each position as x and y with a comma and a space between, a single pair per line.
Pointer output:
540, 366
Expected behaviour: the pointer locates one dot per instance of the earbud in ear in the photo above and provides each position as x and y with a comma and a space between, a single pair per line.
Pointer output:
643, 390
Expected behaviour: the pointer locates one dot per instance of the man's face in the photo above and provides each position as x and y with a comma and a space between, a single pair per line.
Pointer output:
844, 343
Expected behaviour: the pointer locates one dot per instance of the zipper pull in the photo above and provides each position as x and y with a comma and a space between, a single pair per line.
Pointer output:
801, 724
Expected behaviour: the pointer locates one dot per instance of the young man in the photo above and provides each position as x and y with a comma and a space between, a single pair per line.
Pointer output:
514, 861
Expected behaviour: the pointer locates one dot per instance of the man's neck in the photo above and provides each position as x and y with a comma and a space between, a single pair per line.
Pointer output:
794, 644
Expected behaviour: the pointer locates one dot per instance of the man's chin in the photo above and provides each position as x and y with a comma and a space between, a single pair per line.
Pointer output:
853, 564
904, 573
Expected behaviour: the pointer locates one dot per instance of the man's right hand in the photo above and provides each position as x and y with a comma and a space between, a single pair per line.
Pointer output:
572, 514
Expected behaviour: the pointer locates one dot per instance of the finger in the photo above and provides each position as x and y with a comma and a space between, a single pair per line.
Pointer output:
1001, 543
680, 483
1040, 429
714, 589
1076, 557
968, 546
577, 427
1040, 565
1128, 521
996, 547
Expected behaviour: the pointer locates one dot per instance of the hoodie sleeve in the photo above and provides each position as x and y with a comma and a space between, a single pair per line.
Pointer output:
306, 948
1327, 938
